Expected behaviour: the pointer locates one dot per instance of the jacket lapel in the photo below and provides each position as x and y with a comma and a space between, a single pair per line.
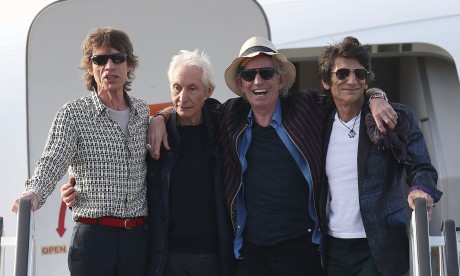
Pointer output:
327, 134
364, 146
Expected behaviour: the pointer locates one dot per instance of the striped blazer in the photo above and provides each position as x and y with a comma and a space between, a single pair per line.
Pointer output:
304, 113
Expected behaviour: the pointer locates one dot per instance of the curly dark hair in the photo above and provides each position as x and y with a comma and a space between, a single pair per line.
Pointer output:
348, 47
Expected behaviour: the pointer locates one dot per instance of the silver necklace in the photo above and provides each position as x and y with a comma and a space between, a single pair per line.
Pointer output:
352, 132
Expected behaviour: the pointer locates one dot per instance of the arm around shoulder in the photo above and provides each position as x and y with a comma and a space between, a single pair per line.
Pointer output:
157, 135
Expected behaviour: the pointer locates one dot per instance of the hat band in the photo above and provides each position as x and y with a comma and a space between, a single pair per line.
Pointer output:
257, 49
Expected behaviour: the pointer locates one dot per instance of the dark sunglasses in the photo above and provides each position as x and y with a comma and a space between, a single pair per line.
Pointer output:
250, 74
343, 73
102, 59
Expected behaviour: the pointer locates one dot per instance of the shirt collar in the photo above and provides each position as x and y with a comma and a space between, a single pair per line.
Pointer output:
100, 107
276, 118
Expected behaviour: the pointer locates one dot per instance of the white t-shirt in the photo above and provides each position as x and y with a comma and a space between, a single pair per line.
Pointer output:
342, 171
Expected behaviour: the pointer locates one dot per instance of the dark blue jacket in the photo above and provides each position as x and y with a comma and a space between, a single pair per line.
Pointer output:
158, 175
382, 193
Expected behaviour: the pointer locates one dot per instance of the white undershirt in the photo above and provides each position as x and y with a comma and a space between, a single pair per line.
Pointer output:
342, 171
121, 117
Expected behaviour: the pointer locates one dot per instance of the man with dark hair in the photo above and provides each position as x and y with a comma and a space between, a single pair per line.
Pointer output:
363, 210
100, 139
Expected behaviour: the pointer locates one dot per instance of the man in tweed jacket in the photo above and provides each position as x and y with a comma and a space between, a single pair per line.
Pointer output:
363, 207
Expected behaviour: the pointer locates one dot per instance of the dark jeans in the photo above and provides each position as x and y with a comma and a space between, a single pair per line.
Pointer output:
295, 257
188, 264
350, 257
97, 250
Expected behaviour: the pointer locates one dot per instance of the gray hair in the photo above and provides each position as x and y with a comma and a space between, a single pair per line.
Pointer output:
195, 58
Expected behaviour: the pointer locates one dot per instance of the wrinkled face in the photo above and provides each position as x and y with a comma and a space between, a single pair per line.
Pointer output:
349, 90
188, 94
261, 93
112, 75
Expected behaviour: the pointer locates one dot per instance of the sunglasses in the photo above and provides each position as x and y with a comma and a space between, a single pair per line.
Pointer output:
102, 59
343, 73
250, 74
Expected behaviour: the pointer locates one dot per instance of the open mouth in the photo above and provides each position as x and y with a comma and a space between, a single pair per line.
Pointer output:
260, 92
111, 77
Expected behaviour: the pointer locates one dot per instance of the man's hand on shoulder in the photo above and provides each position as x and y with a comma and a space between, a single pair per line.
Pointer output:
381, 110
157, 134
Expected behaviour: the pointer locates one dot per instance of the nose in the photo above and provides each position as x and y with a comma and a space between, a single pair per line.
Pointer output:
258, 78
352, 77
109, 64
183, 95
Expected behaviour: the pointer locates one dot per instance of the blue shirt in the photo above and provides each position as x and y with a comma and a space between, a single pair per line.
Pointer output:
243, 143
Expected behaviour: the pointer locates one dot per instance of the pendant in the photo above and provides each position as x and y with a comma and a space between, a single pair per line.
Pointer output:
352, 133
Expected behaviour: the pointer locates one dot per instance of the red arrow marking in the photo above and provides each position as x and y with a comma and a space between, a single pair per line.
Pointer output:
61, 229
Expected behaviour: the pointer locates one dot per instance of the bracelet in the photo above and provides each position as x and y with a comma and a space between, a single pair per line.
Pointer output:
378, 94
162, 115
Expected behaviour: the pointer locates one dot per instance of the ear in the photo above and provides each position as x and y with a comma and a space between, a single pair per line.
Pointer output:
89, 67
239, 83
325, 85
282, 81
209, 92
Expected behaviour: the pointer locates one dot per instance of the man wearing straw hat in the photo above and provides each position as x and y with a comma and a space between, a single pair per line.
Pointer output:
272, 160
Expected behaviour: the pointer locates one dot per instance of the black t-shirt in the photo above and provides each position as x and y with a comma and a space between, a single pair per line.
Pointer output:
192, 207
276, 192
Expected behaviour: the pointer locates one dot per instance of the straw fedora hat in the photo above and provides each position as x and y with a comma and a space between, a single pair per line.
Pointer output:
252, 47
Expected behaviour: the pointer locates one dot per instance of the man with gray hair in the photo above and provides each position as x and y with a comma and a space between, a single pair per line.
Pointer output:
189, 228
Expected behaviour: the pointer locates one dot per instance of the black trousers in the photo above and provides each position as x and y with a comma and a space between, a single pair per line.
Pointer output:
190, 264
350, 257
97, 250
295, 257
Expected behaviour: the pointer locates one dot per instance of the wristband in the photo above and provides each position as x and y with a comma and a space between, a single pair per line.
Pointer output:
377, 94
162, 115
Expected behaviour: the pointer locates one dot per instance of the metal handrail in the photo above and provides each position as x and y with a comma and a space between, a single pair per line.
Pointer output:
23, 237
420, 264
421, 243
450, 247
1, 247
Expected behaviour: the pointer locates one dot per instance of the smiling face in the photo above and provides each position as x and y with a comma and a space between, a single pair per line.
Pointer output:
188, 93
261, 93
349, 91
110, 77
